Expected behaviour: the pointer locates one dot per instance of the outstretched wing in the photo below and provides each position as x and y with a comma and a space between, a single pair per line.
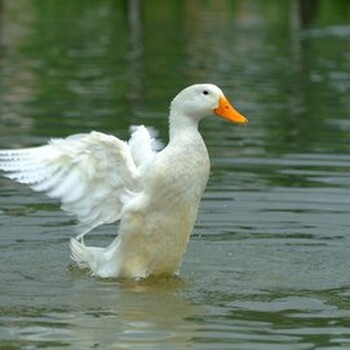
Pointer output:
89, 173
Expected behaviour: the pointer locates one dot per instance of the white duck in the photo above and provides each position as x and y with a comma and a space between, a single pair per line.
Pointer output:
155, 195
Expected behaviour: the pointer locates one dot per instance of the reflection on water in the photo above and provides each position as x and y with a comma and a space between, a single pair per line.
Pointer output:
267, 267
132, 314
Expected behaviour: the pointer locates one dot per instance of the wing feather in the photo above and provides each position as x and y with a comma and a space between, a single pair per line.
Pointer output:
88, 173
143, 143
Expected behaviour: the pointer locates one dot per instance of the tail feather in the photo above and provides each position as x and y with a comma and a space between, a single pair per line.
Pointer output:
101, 262
83, 256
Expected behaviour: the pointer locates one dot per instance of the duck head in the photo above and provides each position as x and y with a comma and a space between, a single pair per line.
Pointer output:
201, 100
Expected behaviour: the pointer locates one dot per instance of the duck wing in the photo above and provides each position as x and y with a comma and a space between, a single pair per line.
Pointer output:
143, 143
89, 173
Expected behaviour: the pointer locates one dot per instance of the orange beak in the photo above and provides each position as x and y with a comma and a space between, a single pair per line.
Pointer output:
225, 110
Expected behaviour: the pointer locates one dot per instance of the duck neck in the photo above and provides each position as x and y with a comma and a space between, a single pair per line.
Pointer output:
180, 123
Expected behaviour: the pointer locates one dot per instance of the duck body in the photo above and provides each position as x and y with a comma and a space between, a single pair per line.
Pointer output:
155, 195
156, 222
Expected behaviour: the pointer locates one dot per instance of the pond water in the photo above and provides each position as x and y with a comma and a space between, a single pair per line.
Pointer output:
268, 264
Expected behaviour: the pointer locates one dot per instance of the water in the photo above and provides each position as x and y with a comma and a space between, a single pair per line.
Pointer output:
268, 263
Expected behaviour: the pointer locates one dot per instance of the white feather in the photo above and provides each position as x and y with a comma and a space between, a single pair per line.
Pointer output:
88, 173
143, 143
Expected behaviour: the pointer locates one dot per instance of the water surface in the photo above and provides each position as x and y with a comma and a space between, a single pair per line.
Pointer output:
268, 264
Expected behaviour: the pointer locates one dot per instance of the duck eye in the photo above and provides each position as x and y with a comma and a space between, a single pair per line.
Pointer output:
205, 92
